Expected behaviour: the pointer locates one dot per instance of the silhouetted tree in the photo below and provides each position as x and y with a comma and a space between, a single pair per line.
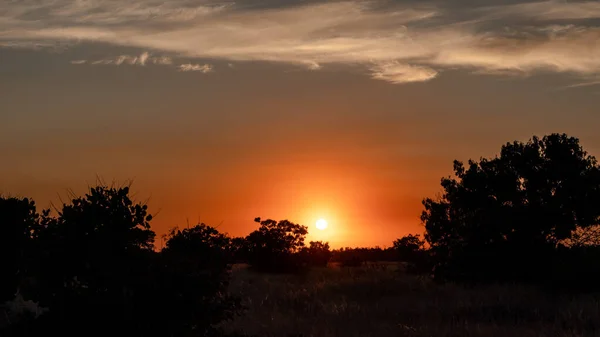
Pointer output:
194, 281
239, 249
317, 254
274, 245
354, 257
409, 245
505, 217
18, 219
95, 270
204, 244
411, 250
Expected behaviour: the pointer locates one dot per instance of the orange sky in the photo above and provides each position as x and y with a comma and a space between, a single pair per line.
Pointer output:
259, 139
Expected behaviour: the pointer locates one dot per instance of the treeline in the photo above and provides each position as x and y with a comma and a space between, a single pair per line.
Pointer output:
530, 214
92, 269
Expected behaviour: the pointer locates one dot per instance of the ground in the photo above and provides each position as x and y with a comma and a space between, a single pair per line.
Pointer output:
380, 300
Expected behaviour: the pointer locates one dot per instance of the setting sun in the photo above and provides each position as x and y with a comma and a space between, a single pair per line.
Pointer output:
321, 224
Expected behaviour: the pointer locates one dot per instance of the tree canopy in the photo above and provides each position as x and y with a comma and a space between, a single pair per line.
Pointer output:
506, 215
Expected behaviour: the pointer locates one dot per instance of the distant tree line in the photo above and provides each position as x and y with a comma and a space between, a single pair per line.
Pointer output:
530, 214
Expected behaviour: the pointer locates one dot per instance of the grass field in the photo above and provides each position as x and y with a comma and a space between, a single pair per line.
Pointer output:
383, 301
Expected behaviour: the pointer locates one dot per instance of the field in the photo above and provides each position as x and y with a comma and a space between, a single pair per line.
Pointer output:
382, 301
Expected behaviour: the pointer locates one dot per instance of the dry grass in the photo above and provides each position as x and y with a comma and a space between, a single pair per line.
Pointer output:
383, 301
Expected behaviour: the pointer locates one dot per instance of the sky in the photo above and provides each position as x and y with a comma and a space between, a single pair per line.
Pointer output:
221, 112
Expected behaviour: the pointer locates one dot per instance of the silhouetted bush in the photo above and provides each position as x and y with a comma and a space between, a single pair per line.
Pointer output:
351, 260
274, 246
411, 250
239, 250
18, 219
354, 257
505, 218
317, 254
95, 270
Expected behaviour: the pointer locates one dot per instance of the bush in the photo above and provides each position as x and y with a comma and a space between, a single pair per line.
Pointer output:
317, 254
274, 246
411, 250
96, 272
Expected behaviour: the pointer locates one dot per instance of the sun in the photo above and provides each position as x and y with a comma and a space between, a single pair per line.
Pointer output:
321, 224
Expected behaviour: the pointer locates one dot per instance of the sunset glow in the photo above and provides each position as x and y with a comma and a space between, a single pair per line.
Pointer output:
348, 111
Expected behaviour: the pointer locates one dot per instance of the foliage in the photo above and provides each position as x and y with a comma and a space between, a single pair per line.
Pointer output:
95, 270
18, 219
504, 218
411, 250
408, 246
354, 257
204, 244
239, 249
274, 245
317, 254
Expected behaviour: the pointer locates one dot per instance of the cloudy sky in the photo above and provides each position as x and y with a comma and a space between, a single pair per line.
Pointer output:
347, 110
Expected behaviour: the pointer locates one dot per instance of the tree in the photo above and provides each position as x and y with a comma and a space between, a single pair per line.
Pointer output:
408, 246
97, 272
193, 281
239, 249
204, 244
88, 261
273, 246
18, 219
505, 217
317, 254
411, 250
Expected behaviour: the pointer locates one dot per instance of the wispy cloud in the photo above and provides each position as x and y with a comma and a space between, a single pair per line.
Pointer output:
395, 72
397, 42
205, 68
141, 60
583, 84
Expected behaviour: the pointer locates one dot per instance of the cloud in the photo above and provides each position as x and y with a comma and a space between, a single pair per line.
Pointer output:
141, 60
205, 68
399, 42
547, 10
395, 72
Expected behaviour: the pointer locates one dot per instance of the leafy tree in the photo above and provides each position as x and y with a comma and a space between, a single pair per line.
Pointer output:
317, 254
18, 219
194, 281
204, 244
273, 246
97, 272
505, 217
354, 257
239, 249
411, 250
87, 258
408, 246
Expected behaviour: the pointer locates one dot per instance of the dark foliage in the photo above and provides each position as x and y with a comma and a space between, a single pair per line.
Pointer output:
18, 219
408, 246
94, 268
239, 250
411, 250
317, 254
509, 218
354, 257
274, 247
204, 244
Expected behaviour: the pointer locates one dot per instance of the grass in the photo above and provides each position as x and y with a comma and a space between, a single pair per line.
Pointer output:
383, 301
